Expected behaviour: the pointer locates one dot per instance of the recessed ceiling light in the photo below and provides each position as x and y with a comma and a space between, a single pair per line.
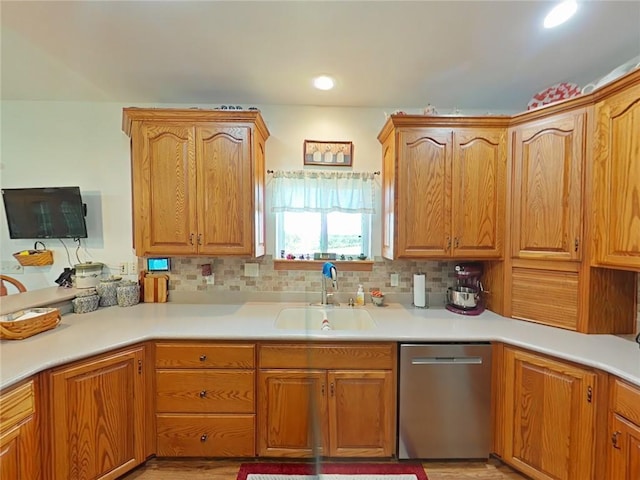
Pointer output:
560, 13
323, 82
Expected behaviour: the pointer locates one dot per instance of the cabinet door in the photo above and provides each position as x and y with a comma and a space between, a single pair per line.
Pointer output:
547, 193
361, 413
292, 413
20, 452
388, 197
424, 193
98, 411
548, 417
478, 198
259, 181
617, 180
20, 445
225, 195
624, 454
164, 204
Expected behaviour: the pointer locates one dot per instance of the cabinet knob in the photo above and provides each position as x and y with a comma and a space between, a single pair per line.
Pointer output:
456, 242
199, 239
203, 437
191, 238
203, 358
448, 243
332, 389
322, 389
203, 394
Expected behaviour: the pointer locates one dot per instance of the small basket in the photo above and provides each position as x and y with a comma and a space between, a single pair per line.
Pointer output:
46, 319
35, 258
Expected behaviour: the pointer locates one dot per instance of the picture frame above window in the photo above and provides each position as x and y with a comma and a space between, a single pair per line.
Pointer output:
328, 154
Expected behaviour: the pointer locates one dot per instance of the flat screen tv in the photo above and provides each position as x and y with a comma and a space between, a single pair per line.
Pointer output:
56, 212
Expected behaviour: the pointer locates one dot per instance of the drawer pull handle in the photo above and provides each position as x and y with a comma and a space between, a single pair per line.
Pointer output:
614, 439
203, 358
203, 438
203, 394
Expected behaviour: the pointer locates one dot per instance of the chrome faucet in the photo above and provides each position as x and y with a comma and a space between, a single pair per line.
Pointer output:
328, 272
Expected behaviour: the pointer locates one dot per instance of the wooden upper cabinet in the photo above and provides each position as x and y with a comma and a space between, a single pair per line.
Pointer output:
479, 191
548, 164
164, 206
443, 187
388, 196
617, 178
198, 181
423, 190
223, 159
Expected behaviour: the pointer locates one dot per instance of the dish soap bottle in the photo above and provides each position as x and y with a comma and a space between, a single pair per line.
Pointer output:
360, 296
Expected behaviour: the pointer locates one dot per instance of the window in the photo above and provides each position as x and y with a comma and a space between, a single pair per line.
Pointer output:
305, 233
323, 212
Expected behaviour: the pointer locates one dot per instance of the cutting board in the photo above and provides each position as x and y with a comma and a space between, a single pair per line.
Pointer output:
156, 288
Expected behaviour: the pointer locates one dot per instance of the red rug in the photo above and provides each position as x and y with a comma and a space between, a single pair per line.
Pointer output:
358, 471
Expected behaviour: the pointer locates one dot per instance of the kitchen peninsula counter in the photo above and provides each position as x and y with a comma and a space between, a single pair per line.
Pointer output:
84, 335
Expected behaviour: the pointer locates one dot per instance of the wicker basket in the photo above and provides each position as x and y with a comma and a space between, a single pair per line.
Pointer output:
46, 319
36, 258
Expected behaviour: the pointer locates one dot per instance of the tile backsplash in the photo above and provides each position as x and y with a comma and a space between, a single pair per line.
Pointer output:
229, 276
186, 277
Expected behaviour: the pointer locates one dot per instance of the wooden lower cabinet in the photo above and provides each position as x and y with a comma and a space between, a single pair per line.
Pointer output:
624, 430
20, 450
205, 399
546, 417
318, 411
97, 416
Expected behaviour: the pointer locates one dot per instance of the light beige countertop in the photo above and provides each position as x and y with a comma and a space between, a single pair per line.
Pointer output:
79, 336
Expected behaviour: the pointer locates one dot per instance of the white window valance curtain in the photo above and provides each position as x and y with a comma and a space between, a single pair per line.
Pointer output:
314, 191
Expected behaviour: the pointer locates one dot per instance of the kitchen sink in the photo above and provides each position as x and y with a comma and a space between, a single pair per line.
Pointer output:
312, 318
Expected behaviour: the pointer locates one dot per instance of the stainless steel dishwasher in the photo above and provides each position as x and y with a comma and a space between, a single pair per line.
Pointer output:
444, 401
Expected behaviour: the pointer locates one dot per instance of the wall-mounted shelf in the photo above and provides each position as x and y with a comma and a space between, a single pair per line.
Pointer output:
347, 265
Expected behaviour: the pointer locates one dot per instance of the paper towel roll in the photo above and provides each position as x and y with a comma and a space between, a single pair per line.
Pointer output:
419, 290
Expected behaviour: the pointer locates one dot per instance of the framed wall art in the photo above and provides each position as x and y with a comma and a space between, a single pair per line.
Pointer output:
328, 154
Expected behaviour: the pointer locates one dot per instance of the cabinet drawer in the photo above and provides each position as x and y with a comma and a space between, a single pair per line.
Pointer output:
204, 355
205, 391
206, 435
16, 405
328, 356
625, 401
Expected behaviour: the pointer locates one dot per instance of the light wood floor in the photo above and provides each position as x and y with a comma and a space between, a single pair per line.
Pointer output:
227, 470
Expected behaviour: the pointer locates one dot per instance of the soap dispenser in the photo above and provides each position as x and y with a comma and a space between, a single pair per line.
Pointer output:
360, 296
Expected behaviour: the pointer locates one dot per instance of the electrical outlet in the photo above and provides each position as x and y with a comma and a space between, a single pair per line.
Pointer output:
122, 268
395, 279
133, 268
11, 267
210, 279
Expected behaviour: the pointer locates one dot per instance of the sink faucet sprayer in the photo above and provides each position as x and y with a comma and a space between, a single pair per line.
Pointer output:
328, 271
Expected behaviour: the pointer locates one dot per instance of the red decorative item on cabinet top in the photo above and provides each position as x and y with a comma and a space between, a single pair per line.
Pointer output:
555, 93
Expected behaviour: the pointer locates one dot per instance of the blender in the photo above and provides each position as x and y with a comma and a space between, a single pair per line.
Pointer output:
466, 297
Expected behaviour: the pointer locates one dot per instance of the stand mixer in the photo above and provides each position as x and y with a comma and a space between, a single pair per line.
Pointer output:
466, 297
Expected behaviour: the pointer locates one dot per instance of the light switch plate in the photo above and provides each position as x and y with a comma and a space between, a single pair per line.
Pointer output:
251, 270
395, 279
210, 279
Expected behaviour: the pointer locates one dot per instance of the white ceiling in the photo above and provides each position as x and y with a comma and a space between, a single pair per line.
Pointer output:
468, 54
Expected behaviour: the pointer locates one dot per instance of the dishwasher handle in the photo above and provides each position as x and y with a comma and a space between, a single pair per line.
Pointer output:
446, 361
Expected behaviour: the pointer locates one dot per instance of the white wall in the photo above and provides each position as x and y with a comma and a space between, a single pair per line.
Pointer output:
82, 143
